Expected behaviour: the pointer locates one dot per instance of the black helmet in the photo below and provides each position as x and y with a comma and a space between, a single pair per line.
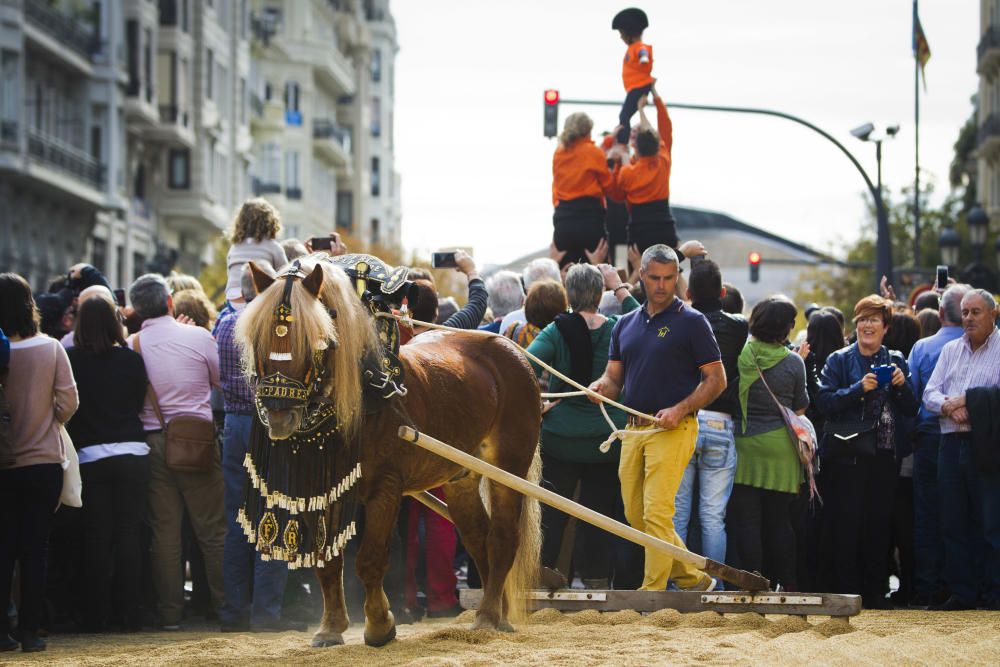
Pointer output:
631, 21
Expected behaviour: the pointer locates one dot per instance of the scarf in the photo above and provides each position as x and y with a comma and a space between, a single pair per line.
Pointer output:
767, 355
576, 333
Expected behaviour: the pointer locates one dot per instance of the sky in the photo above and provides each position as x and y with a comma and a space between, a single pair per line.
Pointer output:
477, 171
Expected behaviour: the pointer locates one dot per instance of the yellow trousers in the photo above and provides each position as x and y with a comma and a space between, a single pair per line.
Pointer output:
651, 468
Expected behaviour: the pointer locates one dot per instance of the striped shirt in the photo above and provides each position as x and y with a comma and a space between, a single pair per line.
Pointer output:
235, 390
958, 369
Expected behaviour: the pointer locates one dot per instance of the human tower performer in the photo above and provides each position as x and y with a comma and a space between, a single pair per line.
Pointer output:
631, 168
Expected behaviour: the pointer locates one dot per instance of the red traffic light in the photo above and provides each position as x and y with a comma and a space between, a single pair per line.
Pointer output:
552, 96
754, 258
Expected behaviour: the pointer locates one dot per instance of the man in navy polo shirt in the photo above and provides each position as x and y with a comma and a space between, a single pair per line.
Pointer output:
665, 358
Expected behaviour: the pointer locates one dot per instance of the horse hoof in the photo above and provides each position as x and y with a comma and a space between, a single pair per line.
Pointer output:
378, 642
483, 623
505, 626
323, 641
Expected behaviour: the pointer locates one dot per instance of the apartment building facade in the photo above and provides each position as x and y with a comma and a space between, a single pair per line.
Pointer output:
988, 134
130, 130
322, 115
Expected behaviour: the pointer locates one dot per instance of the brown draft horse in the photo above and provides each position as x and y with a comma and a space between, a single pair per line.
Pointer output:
476, 393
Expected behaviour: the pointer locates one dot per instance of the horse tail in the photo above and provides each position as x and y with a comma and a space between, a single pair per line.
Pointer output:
523, 574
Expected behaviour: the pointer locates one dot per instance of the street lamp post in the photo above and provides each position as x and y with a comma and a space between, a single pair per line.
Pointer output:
976, 273
883, 247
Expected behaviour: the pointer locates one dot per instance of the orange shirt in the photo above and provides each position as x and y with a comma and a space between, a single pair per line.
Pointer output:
637, 67
579, 170
647, 179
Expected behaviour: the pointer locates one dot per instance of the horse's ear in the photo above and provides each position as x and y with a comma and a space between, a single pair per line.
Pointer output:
314, 280
261, 279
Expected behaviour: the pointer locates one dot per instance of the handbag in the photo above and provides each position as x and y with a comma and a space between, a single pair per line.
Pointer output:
72, 486
189, 442
850, 437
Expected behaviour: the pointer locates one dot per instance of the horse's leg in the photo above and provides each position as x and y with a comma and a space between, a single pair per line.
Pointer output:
466, 508
335, 620
501, 544
373, 559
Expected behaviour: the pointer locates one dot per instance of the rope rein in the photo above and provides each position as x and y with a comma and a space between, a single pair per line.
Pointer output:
616, 433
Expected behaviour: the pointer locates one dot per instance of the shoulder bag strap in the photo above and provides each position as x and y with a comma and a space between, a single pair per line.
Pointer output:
781, 408
150, 392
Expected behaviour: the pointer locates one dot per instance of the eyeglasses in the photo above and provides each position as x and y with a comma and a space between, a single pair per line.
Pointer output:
869, 320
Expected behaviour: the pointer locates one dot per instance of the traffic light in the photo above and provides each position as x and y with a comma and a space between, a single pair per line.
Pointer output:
754, 266
551, 113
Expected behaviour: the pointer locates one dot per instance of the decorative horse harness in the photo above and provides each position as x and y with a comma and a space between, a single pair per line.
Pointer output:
304, 488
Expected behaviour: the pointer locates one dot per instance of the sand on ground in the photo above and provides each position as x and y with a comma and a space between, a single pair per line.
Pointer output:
550, 637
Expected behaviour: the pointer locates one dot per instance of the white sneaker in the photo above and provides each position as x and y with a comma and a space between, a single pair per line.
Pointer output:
703, 586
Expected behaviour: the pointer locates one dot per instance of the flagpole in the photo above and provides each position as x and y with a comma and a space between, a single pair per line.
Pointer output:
916, 147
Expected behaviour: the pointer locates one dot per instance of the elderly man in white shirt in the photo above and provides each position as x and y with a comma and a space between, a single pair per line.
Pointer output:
970, 497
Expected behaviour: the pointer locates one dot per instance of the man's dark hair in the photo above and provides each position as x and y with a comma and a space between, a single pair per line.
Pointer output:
647, 142
18, 314
928, 299
732, 303
705, 282
426, 306
772, 319
903, 333
98, 328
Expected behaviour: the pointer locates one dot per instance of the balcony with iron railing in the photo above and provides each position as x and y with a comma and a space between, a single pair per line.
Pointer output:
265, 188
988, 48
63, 28
332, 142
171, 113
55, 153
8, 133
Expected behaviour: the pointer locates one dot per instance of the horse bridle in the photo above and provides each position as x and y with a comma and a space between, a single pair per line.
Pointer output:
278, 391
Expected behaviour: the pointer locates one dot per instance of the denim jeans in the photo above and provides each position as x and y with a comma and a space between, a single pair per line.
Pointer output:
928, 551
243, 569
970, 521
714, 467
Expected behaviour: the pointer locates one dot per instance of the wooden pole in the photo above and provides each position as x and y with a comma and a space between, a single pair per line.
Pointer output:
745, 580
433, 503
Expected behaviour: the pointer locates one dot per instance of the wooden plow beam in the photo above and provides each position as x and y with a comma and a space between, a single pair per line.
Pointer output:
724, 602
745, 581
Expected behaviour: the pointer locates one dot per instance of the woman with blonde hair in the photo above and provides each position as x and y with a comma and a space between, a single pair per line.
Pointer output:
196, 306
253, 239
580, 181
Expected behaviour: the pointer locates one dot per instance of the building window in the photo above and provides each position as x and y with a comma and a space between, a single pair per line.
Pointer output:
119, 265
376, 178
269, 166
241, 100
292, 114
209, 71
96, 142
138, 264
168, 12
375, 231
345, 210
293, 186
377, 65
179, 169
99, 254
132, 50
185, 14
9, 95
376, 116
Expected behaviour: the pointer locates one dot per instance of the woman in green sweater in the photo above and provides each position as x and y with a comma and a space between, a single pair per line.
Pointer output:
768, 472
576, 344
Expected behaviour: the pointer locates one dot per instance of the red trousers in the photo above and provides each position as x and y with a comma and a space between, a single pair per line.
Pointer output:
440, 542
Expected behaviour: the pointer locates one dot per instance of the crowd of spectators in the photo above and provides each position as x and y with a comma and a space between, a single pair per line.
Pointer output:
901, 399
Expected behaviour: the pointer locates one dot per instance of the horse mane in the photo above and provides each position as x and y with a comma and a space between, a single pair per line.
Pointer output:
352, 330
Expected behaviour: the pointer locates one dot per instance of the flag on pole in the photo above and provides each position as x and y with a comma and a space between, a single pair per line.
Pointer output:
921, 49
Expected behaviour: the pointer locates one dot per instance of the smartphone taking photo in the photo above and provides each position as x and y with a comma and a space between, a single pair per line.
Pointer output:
443, 260
321, 243
942, 277
120, 297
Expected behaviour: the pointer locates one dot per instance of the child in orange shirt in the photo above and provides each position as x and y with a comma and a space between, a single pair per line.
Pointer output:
636, 68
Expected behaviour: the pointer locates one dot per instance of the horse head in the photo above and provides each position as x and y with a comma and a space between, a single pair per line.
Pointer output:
301, 340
